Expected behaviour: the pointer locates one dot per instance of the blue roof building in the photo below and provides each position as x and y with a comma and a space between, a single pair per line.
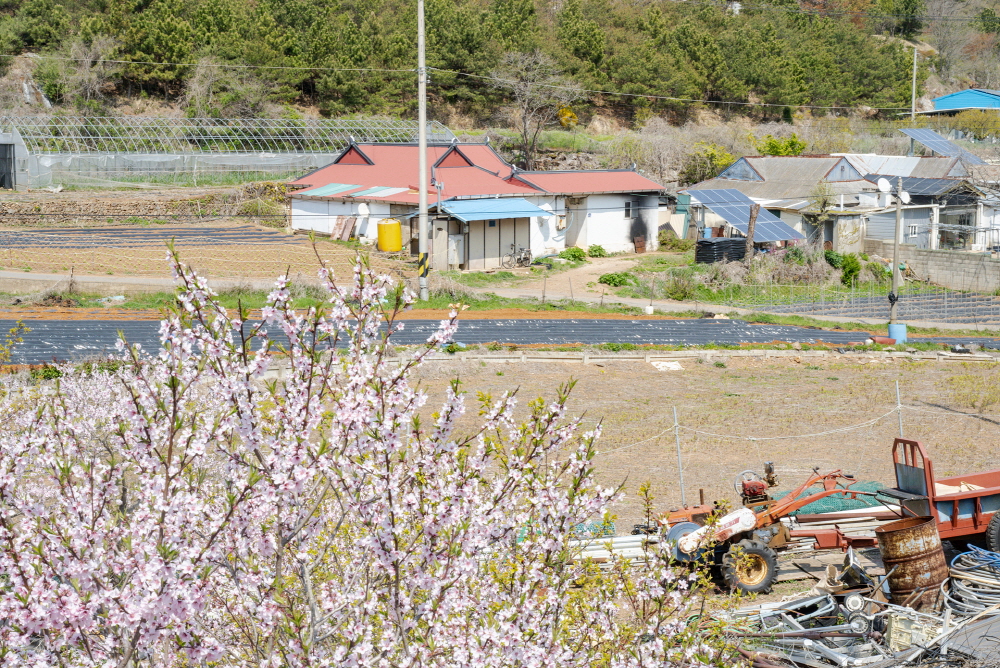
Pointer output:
973, 98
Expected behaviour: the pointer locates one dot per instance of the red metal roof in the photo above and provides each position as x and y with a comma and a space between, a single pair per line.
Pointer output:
590, 181
395, 166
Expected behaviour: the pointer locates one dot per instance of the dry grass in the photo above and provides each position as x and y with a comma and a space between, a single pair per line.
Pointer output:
747, 398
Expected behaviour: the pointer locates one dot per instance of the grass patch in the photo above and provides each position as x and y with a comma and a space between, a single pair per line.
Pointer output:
120, 181
880, 329
489, 302
482, 279
664, 262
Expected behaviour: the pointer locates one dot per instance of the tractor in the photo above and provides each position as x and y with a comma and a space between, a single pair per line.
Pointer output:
742, 544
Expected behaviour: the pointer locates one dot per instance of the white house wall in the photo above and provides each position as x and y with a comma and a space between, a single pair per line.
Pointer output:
318, 214
604, 221
607, 225
546, 237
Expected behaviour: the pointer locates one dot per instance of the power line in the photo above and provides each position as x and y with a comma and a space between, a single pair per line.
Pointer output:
823, 13
647, 96
97, 61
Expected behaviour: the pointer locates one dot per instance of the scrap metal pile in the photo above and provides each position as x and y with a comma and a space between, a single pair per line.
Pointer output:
851, 619
924, 611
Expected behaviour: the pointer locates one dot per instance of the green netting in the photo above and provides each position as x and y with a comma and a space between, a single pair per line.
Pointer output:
837, 503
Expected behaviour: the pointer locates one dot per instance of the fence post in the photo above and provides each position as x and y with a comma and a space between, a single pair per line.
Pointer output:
680, 463
899, 410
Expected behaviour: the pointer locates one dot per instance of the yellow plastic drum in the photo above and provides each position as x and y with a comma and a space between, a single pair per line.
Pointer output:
390, 235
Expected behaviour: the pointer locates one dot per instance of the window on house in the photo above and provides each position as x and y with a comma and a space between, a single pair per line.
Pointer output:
911, 230
628, 209
492, 223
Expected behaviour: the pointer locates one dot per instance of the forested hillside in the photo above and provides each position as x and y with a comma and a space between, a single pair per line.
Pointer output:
363, 53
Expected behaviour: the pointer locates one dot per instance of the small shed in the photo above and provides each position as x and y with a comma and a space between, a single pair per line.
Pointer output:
476, 233
972, 98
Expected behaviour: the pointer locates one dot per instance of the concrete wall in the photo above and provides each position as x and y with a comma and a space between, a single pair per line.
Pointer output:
957, 270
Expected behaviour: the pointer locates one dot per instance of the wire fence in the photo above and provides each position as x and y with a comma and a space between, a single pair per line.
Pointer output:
818, 297
916, 302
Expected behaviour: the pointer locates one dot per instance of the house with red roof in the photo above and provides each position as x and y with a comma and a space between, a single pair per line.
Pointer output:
480, 205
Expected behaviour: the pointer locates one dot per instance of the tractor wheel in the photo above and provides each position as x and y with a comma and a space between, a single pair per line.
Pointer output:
750, 566
993, 533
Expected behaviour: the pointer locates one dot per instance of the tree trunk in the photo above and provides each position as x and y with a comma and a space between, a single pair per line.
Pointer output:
754, 210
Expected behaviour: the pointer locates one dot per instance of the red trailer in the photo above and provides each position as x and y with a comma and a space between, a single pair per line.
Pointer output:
964, 506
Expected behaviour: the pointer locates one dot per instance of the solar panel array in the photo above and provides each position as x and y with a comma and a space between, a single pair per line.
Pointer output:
919, 186
942, 146
734, 207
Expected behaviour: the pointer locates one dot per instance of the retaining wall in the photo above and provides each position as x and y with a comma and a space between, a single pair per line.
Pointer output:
958, 270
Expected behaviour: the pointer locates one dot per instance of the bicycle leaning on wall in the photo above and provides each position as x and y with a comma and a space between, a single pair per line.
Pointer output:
516, 258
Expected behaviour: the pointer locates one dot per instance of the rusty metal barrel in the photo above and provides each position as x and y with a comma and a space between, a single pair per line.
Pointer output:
913, 547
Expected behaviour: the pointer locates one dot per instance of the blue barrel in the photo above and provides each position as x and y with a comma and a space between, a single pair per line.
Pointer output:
897, 331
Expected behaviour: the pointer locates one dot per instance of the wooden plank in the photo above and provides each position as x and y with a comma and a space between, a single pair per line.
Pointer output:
348, 229
336, 226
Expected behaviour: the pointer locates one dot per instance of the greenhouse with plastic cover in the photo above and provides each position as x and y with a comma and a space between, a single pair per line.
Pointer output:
113, 152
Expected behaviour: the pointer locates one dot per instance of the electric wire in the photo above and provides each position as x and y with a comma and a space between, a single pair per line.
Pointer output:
974, 585
467, 75
824, 13
626, 447
668, 98
98, 61
839, 430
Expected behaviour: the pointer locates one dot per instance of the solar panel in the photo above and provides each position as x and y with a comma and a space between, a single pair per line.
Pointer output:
734, 207
939, 144
920, 186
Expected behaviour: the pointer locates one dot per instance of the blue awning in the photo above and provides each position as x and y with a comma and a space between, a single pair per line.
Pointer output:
492, 209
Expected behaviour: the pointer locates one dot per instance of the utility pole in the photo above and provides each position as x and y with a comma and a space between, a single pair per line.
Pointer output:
913, 88
894, 296
422, 262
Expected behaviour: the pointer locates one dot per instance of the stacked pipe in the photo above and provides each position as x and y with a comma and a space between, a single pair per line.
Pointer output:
627, 547
975, 582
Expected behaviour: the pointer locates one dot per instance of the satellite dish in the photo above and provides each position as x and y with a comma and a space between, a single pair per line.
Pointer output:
905, 196
884, 185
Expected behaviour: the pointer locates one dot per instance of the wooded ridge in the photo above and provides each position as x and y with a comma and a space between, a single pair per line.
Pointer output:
632, 59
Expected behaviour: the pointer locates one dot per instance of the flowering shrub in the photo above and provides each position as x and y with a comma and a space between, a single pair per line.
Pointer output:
199, 505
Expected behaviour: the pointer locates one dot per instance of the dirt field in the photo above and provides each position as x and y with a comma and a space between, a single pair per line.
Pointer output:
262, 258
746, 398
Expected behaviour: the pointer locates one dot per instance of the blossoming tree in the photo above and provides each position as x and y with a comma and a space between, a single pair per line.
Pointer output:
277, 494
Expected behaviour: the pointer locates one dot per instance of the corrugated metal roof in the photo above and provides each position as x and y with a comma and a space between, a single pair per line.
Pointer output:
972, 98
489, 209
790, 177
389, 172
329, 189
930, 167
796, 204
591, 181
